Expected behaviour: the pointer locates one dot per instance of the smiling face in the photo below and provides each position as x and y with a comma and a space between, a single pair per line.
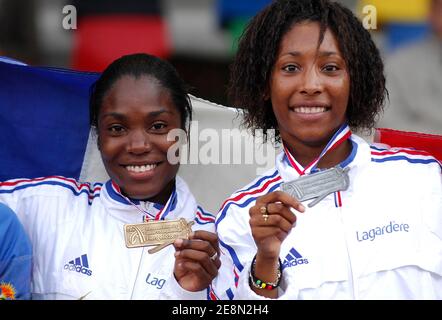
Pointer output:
133, 122
309, 88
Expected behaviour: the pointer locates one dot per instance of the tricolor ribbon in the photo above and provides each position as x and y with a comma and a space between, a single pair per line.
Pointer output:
338, 138
161, 215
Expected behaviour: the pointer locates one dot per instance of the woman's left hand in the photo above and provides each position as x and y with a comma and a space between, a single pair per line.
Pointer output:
197, 260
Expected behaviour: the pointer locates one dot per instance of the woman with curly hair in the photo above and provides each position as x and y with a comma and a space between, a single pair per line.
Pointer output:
336, 218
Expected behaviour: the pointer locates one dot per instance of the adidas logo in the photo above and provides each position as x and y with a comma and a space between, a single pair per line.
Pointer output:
293, 258
80, 265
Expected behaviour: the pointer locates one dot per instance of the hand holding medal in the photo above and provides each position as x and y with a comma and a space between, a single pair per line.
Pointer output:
197, 253
271, 220
197, 260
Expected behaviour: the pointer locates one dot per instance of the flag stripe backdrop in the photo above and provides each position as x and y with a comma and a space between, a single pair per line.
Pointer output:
44, 120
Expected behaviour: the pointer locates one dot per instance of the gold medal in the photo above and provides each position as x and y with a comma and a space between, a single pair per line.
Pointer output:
156, 233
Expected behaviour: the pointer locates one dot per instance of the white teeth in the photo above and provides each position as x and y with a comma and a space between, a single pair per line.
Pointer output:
144, 168
310, 109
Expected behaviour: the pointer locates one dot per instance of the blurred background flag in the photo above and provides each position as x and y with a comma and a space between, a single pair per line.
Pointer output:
44, 120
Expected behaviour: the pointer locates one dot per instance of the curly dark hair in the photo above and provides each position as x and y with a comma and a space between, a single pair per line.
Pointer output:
259, 46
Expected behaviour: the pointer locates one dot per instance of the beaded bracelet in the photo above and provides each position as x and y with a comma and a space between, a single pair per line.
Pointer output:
257, 283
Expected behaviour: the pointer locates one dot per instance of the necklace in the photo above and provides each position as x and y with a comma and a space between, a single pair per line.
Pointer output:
147, 216
338, 138
313, 184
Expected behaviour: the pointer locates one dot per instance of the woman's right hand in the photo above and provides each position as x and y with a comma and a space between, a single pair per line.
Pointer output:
269, 232
271, 221
197, 260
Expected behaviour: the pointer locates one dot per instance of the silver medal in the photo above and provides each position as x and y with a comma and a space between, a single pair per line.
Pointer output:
318, 185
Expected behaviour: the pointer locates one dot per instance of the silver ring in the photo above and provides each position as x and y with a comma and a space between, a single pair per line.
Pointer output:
214, 256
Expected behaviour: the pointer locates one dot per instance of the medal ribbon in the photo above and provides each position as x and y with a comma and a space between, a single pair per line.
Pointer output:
338, 138
161, 215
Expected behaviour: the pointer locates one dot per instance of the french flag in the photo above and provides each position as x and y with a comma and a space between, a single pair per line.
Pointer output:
44, 120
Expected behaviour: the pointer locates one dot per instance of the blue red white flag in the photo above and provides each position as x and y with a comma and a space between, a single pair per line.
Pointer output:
44, 120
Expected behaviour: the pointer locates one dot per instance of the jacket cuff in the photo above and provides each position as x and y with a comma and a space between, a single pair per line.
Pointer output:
176, 292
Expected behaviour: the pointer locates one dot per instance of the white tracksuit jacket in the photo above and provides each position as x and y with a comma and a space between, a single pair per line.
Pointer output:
78, 242
380, 239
